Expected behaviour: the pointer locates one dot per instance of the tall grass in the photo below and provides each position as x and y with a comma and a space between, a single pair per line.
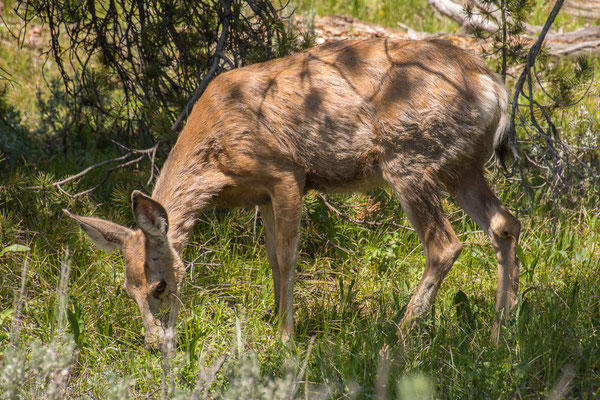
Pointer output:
352, 286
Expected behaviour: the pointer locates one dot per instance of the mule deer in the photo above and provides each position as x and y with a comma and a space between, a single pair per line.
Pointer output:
418, 116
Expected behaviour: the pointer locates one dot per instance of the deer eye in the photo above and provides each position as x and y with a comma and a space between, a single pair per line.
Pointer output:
160, 288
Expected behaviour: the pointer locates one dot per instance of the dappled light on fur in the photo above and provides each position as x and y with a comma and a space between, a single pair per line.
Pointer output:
419, 116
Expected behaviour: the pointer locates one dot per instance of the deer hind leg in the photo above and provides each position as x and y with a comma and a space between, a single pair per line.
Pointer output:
473, 194
287, 211
420, 200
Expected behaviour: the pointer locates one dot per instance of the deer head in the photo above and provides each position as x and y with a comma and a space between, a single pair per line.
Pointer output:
153, 269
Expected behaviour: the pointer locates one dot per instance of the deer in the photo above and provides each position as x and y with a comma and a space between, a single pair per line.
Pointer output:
421, 117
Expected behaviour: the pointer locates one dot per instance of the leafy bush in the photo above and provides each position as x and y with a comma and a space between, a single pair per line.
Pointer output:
157, 56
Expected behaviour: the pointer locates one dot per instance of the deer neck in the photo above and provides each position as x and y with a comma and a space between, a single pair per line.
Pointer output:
185, 191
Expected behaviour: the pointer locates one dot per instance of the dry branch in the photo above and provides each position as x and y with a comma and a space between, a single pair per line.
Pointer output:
217, 57
561, 160
123, 161
583, 8
161, 54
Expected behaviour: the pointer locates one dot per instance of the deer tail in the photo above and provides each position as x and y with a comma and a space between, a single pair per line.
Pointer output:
501, 137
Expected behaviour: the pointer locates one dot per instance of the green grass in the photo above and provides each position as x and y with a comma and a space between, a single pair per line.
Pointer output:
353, 284
420, 16
415, 13
25, 68
351, 301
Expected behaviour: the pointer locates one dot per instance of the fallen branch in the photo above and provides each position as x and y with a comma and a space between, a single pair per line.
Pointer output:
457, 13
586, 9
558, 44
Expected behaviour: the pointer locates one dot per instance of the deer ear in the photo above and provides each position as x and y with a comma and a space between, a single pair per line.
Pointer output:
105, 234
150, 216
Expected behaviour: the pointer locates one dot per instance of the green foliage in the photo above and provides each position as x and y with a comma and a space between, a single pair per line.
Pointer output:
351, 300
509, 16
14, 248
83, 124
129, 66
16, 142
415, 13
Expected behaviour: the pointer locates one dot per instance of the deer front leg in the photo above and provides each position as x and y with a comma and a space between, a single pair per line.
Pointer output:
268, 217
287, 210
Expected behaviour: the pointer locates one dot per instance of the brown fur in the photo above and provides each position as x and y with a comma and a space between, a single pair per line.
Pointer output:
348, 116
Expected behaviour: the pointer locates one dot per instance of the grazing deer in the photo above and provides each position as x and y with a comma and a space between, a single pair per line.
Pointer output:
419, 116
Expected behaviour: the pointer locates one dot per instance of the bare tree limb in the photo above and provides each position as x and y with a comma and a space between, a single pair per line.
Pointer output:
164, 71
91, 168
211, 72
122, 162
533, 52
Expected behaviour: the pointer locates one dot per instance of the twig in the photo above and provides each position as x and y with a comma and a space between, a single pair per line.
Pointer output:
302, 371
15, 326
206, 379
337, 246
91, 168
533, 52
359, 221
108, 172
555, 156
125, 162
152, 163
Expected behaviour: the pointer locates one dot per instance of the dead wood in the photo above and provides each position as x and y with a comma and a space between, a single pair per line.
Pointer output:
583, 8
583, 40
121, 162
